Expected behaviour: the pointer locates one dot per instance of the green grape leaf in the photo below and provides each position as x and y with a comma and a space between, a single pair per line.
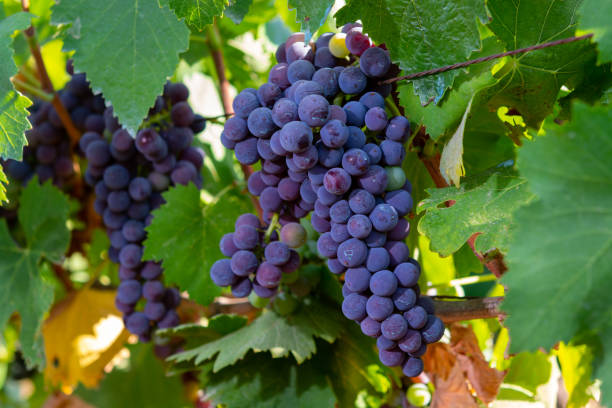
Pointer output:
237, 9
3, 183
602, 370
420, 36
529, 370
560, 257
13, 113
466, 262
277, 382
294, 334
484, 203
595, 17
143, 383
21, 287
530, 82
185, 235
311, 14
197, 13
139, 43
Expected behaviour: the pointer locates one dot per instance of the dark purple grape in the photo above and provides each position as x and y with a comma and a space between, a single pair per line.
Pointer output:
379, 307
268, 275
376, 119
375, 62
370, 327
278, 75
394, 327
357, 279
433, 329
377, 260
244, 103
268, 93
354, 306
97, 152
398, 252
277, 253
313, 110
151, 270
410, 342
270, 199
352, 81
413, 367
337, 181
300, 69
242, 288
129, 292
246, 151
181, 114
155, 311
355, 113
416, 317
327, 78
118, 201
138, 323
398, 129
374, 181
334, 134
352, 252
221, 273
393, 152
356, 138
130, 255
284, 111
296, 136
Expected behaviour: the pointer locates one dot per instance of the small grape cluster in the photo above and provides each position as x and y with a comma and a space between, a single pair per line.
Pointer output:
48, 152
327, 147
128, 176
258, 259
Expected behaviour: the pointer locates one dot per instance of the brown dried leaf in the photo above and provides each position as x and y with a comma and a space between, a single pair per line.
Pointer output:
439, 360
452, 391
65, 401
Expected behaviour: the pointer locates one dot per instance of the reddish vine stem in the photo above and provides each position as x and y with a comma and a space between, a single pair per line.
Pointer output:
468, 309
62, 275
214, 45
464, 64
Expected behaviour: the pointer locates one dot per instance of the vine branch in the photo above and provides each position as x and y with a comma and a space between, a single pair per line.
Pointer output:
214, 46
464, 64
468, 309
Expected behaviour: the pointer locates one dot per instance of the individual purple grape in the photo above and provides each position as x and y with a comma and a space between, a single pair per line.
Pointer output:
427, 304
277, 253
321, 209
398, 252
244, 103
375, 62
116, 177
263, 292
246, 237
247, 219
94, 123
334, 134
226, 245
316, 176
306, 192
300, 69
255, 184
401, 200
130, 255
235, 129
324, 58
243, 263
329, 157
97, 153
113, 220
356, 138
384, 343
307, 159
284, 111
357, 279
379, 307
288, 189
411, 341
296, 136
151, 144
357, 42
352, 81
377, 260
278, 75
264, 149
391, 358
118, 201
260, 122
356, 162
297, 51
155, 311
268, 275
242, 288
140, 188
246, 151
407, 273
183, 173
221, 273
340, 212
393, 152
326, 246
394, 327
383, 283
404, 298
354, 307
133, 231
413, 367
270, 199
313, 110
321, 225
171, 319
384, 217
335, 266
153, 290
372, 99
433, 329
280, 54
416, 317
303, 89
267, 94
336, 112
359, 226
137, 323
374, 181
129, 292
401, 230
352, 252
361, 202
398, 129
337, 181
376, 119
370, 327
339, 232
327, 78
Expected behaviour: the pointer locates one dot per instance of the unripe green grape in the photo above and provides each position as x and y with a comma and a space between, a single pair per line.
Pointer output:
257, 301
418, 395
395, 178
289, 278
284, 304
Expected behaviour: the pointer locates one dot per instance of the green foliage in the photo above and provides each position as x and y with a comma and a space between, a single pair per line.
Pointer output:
237, 9
594, 17
483, 203
529, 370
560, 254
280, 335
197, 13
576, 367
444, 32
311, 14
13, 112
3, 183
22, 288
530, 82
185, 234
139, 43
142, 383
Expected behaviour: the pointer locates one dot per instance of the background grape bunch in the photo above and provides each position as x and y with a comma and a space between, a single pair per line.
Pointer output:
329, 150
128, 176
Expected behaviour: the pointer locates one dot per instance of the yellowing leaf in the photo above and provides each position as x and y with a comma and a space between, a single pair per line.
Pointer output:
3, 182
438, 270
82, 335
575, 361
451, 162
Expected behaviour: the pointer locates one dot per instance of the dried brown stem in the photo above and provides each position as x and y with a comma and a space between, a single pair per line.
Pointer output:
464, 64
62, 275
214, 45
468, 309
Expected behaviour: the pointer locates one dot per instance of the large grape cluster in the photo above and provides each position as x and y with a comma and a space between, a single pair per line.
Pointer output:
48, 152
128, 176
327, 148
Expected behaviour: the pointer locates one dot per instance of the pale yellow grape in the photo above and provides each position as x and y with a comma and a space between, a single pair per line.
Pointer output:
337, 46
418, 395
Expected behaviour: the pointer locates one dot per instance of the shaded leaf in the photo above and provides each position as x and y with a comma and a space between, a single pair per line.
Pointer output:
311, 14
445, 32
237, 9
529, 370
13, 112
197, 13
139, 43
83, 333
483, 203
594, 17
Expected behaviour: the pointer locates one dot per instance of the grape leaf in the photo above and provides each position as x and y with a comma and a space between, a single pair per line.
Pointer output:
280, 335
237, 9
530, 82
595, 17
197, 13
185, 234
483, 203
575, 361
560, 260
420, 36
21, 286
138, 42
311, 14
3, 183
142, 384
13, 112
277, 382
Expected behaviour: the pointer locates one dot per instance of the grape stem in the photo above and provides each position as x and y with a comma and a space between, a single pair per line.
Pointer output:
214, 47
25, 87
464, 64
467, 309
272, 227
62, 275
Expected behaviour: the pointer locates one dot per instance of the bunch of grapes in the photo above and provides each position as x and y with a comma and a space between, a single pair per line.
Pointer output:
327, 147
48, 152
128, 176
258, 259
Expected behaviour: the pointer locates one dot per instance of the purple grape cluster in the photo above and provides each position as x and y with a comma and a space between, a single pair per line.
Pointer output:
328, 148
128, 176
256, 263
48, 153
